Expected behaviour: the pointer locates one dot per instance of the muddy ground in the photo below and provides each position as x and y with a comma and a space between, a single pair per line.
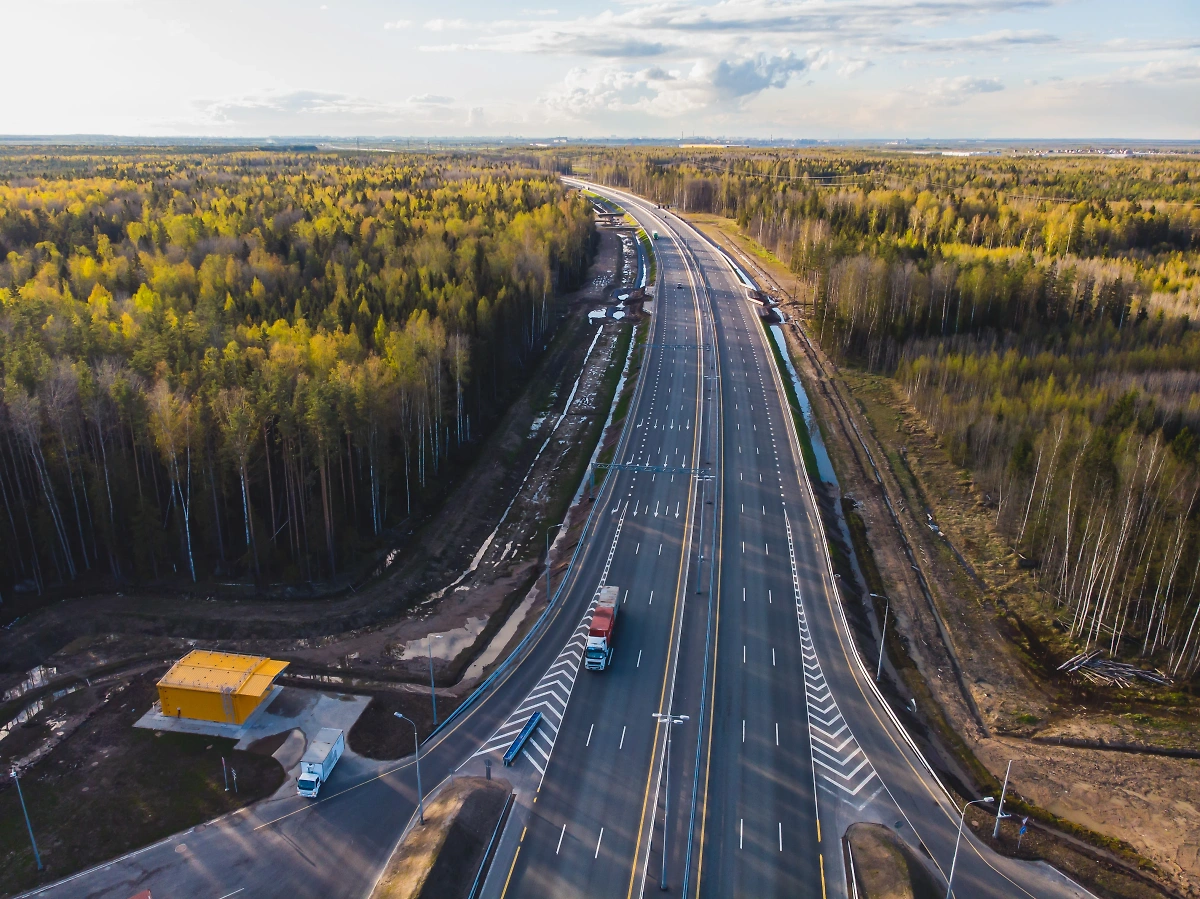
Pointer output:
979, 653
110, 787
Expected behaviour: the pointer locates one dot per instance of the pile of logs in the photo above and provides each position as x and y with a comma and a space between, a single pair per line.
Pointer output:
1111, 673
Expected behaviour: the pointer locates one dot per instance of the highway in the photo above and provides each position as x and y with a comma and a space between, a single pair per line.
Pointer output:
786, 743
730, 616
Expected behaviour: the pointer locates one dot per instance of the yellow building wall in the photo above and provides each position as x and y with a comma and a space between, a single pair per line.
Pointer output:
244, 706
205, 705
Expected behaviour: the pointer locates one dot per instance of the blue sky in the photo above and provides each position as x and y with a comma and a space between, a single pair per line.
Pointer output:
746, 68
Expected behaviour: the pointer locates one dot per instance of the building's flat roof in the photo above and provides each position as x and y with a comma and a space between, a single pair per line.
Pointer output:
221, 672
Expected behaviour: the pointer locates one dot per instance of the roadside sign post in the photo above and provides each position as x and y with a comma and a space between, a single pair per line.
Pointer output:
225, 773
37, 856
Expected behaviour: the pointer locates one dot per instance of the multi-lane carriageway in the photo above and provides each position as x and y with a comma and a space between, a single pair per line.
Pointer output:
729, 617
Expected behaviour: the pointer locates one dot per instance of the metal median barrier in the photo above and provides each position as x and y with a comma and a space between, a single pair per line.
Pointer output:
519, 743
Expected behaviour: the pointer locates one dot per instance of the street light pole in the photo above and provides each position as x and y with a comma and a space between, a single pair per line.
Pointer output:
417, 752
432, 689
671, 721
37, 857
548, 530
962, 818
703, 479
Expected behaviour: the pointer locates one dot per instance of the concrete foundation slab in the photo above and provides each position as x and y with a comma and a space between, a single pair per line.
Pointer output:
156, 720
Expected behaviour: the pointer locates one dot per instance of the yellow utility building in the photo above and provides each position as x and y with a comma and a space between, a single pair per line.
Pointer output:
225, 687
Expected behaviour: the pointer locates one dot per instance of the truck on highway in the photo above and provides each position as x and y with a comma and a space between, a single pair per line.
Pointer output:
318, 761
656, 235
598, 654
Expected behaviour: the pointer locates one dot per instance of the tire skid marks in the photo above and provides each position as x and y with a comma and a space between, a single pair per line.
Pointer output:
842, 768
552, 692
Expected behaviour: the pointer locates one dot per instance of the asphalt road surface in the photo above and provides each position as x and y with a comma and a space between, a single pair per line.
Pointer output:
729, 616
786, 743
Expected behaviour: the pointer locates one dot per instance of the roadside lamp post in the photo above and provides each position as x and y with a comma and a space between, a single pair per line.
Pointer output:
417, 752
950, 881
670, 721
548, 530
36, 855
703, 479
432, 689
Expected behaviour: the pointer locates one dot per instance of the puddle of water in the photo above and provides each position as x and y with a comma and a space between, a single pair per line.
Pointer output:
500, 640
451, 643
35, 707
824, 465
36, 677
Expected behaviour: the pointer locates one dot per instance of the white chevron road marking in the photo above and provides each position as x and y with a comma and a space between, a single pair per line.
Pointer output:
846, 769
552, 692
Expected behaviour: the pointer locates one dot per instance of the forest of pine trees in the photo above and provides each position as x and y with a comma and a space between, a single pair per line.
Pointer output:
1040, 313
253, 364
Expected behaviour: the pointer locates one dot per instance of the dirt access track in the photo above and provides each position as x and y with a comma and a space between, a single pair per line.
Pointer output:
971, 642
459, 573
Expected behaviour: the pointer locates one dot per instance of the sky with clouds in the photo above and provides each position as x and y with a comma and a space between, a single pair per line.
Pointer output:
828, 69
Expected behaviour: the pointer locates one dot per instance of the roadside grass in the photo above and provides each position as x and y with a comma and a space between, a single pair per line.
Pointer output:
109, 788
718, 227
439, 860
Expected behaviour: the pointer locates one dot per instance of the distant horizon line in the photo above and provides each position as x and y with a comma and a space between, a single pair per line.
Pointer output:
552, 141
